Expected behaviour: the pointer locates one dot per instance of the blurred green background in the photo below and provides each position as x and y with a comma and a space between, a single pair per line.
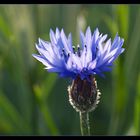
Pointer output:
35, 102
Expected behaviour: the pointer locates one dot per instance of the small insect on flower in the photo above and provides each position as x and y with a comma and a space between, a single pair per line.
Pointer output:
93, 56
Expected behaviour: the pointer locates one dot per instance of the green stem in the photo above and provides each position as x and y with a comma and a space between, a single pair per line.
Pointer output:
84, 124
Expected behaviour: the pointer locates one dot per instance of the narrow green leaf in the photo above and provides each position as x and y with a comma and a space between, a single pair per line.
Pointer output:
137, 108
45, 111
9, 112
122, 12
111, 24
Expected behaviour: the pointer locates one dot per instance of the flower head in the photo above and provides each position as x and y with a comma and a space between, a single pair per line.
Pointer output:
93, 56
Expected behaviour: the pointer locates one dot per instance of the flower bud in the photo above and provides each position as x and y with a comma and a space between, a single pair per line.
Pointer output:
83, 94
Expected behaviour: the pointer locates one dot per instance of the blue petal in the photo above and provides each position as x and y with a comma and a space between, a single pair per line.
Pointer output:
52, 37
82, 39
42, 60
88, 40
95, 55
67, 47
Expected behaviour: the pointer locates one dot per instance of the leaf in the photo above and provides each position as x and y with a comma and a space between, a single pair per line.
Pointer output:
137, 108
9, 113
45, 111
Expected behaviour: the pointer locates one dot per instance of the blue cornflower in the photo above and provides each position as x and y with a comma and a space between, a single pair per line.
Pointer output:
93, 56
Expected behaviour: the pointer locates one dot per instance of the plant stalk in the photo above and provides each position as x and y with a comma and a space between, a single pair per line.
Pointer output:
84, 123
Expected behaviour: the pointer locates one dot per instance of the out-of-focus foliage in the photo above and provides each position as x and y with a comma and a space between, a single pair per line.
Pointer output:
35, 102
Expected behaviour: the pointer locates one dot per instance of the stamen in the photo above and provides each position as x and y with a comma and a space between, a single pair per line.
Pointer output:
73, 47
78, 51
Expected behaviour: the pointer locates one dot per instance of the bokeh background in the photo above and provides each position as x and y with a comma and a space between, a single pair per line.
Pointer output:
35, 102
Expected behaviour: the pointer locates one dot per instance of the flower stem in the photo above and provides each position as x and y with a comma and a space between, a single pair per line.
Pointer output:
84, 124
